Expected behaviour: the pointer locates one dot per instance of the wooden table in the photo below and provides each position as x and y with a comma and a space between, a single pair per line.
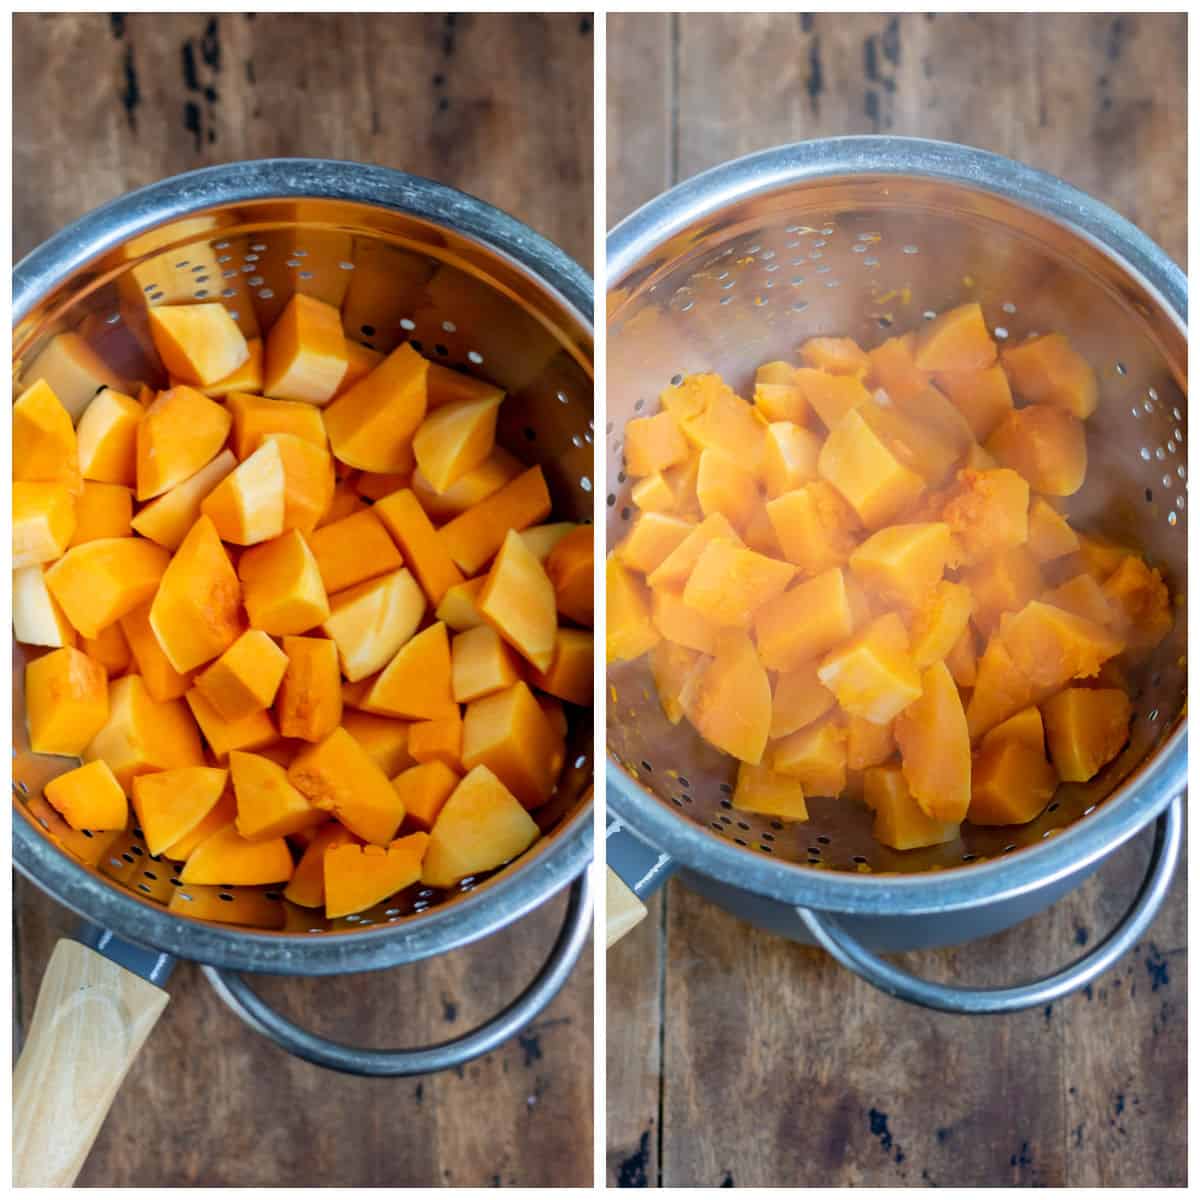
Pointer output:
502, 107
735, 1058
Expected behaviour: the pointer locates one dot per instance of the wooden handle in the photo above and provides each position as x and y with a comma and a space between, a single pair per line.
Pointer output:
623, 910
91, 1019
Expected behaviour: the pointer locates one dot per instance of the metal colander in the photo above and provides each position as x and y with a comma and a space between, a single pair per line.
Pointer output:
869, 237
405, 260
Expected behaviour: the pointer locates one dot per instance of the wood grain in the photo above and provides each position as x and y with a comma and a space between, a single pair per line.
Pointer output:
777, 1067
500, 106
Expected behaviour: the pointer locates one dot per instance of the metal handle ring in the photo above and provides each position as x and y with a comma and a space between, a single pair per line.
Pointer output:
360, 1060
1164, 857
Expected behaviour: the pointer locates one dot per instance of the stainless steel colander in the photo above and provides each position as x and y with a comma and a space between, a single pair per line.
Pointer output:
405, 259
866, 237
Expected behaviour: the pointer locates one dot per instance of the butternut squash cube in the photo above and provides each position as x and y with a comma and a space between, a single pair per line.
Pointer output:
856, 462
307, 884
352, 550
253, 732
227, 857
935, 747
162, 681
358, 877
729, 582
929, 444
831, 397
816, 529
814, 755
570, 674
474, 537
518, 601
360, 362
481, 663
679, 563
425, 788
780, 402
178, 434
73, 371
962, 659
730, 702
1050, 536
1046, 445
1140, 597
43, 516
789, 457
1086, 729
508, 733
873, 675
346, 501
246, 677
837, 355
713, 416
982, 396
371, 426
868, 744
478, 484
940, 623
437, 741
199, 344
89, 797
900, 822
89, 850
987, 512
766, 792
458, 607
1001, 689
248, 378
1026, 727
629, 630
375, 487
723, 487
339, 776
424, 550
958, 340
1011, 782
1083, 596
110, 649
894, 369
248, 506
653, 444
268, 805
1048, 370
223, 813
903, 563
805, 622
455, 439
44, 447
371, 621
678, 622
1004, 583
307, 481
416, 683
309, 704
99, 582
143, 734
257, 417
167, 518
171, 804
800, 698
479, 828
102, 510
305, 358
675, 669
383, 738
1052, 646
282, 587
570, 566
37, 618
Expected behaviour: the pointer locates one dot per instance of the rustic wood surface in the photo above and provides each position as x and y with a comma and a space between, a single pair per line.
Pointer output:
502, 107
774, 1066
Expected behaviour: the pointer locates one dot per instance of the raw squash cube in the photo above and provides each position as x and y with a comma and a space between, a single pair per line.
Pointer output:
766, 792
1140, 597
957, 340
142, 734
518, 601
448, 386
903, 563
352, 550
383, 738
804, 622
570, 674
458, 607
629, 630
800, 698
678, 565
1086, 729
282, 586
455, 439
249, 504
37, 618
1050, 536
1002, 584
73, 371
90, 797
837, 355
246, 677
360, 362
729, 582
102, 510
481, 827
307, 481
43, 516
371, 621
816, 529
1001, 689
223, 813
305, 357
675, 668
345, 503
198, 343
167, 519
372, 487
1052, 646
44, 447
481, 663
1083, 596
939, 625
935, 747
873, 675
651, 539
868, 744
815, 756
571, 568
425, 552
162, 681
900, 822
340, 777
474, 536
789, 457
99, 582
987, 511
856, 462
248, 378
171, 804
371, 426
268, 806
730, 703
254, 732
110, 649
307, 884
489, 477
1048, 370
831, 396
1044, 444
309, 705
425, 788
437, 741
678, 622
982, 396
416, 683
508, 733
256, 417
894, 370
227, 857
723, 487
178, 434
358, 877
1011, 782
653, 444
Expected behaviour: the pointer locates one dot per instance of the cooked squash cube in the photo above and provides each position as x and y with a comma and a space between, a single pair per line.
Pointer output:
99, 582
729, 582
654, 494
769, 794
1004, 583
872, 675
805, 622
1100, 556
253, 732
1048, 370
730, 703
935, 747
518, 601
629, 629
1026, 727
223, 813
799, 699
305, 356
282, 586
167, 519
1001, 689
938, 626
417, 682
776, 402
987, 512
475, 536
37, 618
248, 506
44, 446
43, 516
178, 434
712, 416
1083, 596
900, 822
868, 744
1046, 445
162, 681
246, 677
425, 550
678, 622
570, 566
675, 669
831, 397
1052, 646
902, 563
268, 805
455, 439
508, 733
789, 457
371, 621
856, 462
226, 857
257, 417
982, 396
481, 663
957, 340
477, 484
894, 369
358, 877
89, 797
922, 445
837, 355
1086, 729
1011, 782
1050, 536
815, 756
198, 343
678, 565
102, 510
1140, 597
653, 444
723, 487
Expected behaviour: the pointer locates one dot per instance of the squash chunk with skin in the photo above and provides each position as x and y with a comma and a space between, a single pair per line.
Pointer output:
815, 756
90, 797
957, 340
371, 621
765, 792
248, 506
352, 550
479, 828
1002, 584
571, 568
43, 516
1050, 537
358, 877
1084, 597
307, 481
198, 343
167, 519
518, 601
800, 698
789, 457
437, 741
455, 439
307, 884
940, 623
988, 511
837, 355
305, 356
171, 804
1011, 783
900, 822
816, 529
102, 510
1140, 597
37, 618
282, 586
246, 677
868, 744
810, 619
257, 417
729, 582
653, 444
1086, 729
254, 732
268, 805
1001, 689
678, 622
1044, 444
678, 565
162, 681
309, 705
142, 734
508, 733
371, 426
570, 674
481, 663
873, 675
1052, 646
1048, 370
730, 705
831, 397
227, 857
723, 487
417, 683
425, 788
99, 582
383, 738
339, 776
44, 446
902, 563
196, 614
935, 748
982, 396
178, 434
474, 537
856, 462
424, 550
629, 630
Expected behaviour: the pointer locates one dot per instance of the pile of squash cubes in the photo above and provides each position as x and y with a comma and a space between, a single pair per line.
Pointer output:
863, 584
300, 609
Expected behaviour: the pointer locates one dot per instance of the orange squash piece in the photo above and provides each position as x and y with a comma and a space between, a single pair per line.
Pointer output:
654, 494
383, 738
1083, 596
957, 340
815, 756
1048, 370
837, 355
1052, 646
73, 371
872, 675
1050, 535
508, 733
982, 396
962, 659
570, 674
474, 537
935, 748
455, 439
305, 355
102, 510
248, 506
799, 699
938, 626
868, 744
248, 378
37, 618
477, 484
307, 884
730, 703
458, 607
167, 518
44, 446
894, 370
729, 582
723, 487
171, 804
1011, 783
930, 439
766, 792
481, 663
780, 401
89, 797
1002, 584
1046, 445
1086, 728
268, 805
653, 444
427, 553
309, 704
900, 822
1026, 727
856, 462
425, 788
651, 539
678, 565
1001, 689
43, 516
253, 732
198, 343
805, 622
281, 586
352, 550
713, 416
816, 529
902, 563
99, 582
1140, 597
257, 417
416, 683
223, 813
675, 670
307, 481
987, 512
371, 621
162, 681
571, 568
110, 649
437, 741
831, 397
227, 857
178, 434
359, 877
789, 457
360, 362
246, 677
518, 601
629, 629
678, 622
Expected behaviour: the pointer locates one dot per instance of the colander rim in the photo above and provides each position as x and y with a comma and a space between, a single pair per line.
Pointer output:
1139, 800
521, 887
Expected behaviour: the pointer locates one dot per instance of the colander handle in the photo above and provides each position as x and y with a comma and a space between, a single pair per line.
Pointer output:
359, 1060
635, 872
1164, 858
